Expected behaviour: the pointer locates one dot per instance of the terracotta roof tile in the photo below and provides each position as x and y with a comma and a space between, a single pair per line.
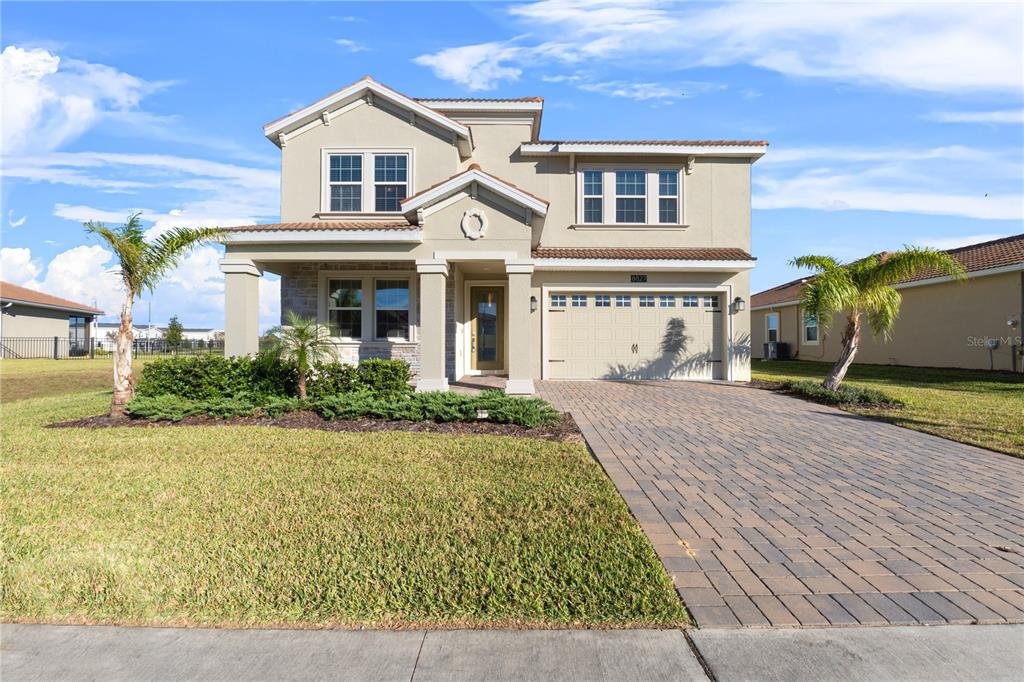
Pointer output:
401, 224
681, 143
710, 253
12, 292
975, 257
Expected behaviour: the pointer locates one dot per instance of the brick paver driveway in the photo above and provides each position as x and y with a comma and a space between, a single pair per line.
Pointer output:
772, 511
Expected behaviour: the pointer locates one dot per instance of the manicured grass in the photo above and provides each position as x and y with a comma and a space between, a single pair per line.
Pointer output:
21, 379
258, 526
980, 408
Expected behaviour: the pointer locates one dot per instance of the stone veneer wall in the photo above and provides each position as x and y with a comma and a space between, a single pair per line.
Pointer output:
299, 293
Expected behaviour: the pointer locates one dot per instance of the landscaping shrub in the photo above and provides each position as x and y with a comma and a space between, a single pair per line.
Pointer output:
528, 412
162, 407
385, 378
333, 378
440, 407
845, 395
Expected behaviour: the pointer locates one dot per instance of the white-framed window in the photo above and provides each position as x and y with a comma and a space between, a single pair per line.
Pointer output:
667, 301
810, 329
691, 301
771, 327
349, 186
346, 182
390, 181
711, 301
391, 308
668, 196
345, 308
557, 300
623, 301
579, 300
602, 301
631, 196
593, 196
646, 300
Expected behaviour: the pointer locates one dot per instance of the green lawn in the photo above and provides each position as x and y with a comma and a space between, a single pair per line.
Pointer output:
20, 379
263, 526
980, 408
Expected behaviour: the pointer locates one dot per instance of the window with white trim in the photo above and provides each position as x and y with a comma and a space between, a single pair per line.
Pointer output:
646, 300
711, 301
667, 301
691, 301
391, 305
810, 328
630, 196
390, 181
623, 301
346, 182
593, 196
602, 301
557, 300
668, 196
579, 300
345, 308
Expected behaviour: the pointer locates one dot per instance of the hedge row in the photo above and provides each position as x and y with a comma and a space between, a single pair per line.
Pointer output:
206, 378
492, 406
844, 395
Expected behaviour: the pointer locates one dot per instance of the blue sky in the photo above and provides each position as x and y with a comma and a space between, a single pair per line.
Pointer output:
889, 123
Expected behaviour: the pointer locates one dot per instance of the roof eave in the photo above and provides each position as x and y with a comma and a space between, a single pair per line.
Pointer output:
456, 183
545, 149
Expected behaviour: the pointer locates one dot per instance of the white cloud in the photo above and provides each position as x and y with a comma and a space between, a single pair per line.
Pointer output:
350, 45
86, 274
15, 222
999, 116
17, 266
940, 47
955, 242
891, 179
475, 67
649, 91
48, 101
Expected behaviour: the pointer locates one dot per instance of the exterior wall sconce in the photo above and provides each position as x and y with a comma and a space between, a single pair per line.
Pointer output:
533, 304
738, 304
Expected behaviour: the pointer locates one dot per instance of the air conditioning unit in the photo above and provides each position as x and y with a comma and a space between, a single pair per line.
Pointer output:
771, 350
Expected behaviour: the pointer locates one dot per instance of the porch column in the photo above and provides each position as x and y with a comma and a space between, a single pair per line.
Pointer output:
241, 307
433, 276
520, 329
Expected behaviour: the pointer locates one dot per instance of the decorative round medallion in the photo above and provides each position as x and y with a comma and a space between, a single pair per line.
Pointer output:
474, 223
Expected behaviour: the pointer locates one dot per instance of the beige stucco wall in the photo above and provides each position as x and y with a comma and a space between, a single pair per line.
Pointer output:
20, 321
940, 325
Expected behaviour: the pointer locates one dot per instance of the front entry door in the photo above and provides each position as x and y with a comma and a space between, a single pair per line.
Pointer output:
487, 329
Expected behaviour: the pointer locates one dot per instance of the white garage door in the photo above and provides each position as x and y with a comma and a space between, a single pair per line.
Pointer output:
626, 335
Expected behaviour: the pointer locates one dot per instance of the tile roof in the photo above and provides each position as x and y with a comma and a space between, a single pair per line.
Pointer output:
975, 258
628, 253
476, 167
12, 292
681, 143
397, 224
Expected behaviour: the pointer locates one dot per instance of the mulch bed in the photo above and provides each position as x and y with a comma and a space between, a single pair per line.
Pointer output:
566, 430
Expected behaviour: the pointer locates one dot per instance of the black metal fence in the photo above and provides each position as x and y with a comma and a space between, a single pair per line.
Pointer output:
63, 348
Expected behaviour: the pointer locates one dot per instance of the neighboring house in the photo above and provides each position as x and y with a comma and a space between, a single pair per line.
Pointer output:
31, 320
106, 332
974, 324
445, 232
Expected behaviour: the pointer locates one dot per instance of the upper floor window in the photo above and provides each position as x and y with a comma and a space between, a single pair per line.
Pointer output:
346, 182
630, 196
593, 196
390, 180
668, 196
350, 189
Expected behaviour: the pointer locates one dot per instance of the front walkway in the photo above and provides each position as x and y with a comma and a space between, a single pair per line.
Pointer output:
769, 510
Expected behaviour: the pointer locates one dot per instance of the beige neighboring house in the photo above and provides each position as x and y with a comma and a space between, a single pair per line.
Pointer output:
974, 324
38, 325
446, 232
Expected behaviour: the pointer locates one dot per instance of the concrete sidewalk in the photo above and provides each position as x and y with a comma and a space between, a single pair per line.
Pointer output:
49, 652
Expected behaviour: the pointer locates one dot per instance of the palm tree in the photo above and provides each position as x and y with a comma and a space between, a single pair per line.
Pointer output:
303, 341
865, 288
142, 265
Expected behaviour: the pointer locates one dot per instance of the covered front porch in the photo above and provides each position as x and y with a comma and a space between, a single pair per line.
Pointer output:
451, 317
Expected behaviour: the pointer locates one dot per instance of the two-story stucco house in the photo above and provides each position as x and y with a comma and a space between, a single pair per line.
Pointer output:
447, 233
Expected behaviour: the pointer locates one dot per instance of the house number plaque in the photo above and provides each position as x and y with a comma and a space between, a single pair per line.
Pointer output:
638, 279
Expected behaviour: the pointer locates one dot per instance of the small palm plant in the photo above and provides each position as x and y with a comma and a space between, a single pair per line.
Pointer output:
864, 288
142, 265
303, 341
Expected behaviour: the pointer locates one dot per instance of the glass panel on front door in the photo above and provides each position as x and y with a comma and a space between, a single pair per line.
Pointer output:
487, 329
